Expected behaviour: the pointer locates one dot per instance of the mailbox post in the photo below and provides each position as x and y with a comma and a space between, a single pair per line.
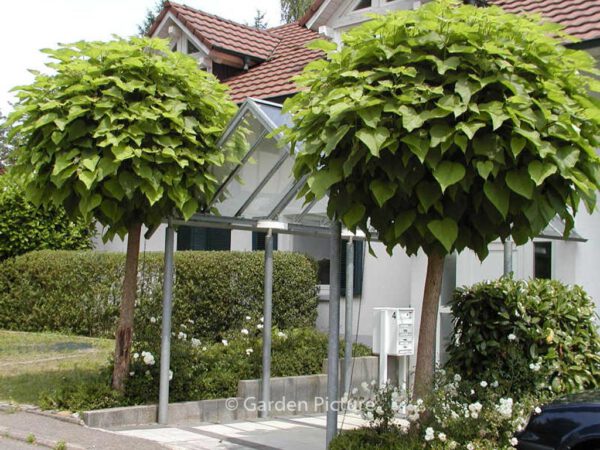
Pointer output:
393, 335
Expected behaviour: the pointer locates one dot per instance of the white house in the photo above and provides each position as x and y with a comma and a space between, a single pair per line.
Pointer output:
259, 64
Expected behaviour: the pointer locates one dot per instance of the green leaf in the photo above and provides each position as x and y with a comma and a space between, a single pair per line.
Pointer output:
445, 231
190, 208
370, 116
373, 139
428, 193
469, 128
539, 171
517, 144
419, 146
87, 177
382, 191
520, 182
333, 138
448, 173
484, 168
498, 195
403, 222
354, 215
440, 133
411, 120
323, 45
321, 181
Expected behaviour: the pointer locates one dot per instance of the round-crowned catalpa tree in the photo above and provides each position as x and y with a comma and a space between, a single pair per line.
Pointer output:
446, 128
124, 132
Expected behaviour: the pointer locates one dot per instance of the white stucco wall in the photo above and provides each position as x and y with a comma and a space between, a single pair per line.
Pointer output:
156, 243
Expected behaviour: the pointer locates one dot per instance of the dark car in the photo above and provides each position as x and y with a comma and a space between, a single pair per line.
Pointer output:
569, 423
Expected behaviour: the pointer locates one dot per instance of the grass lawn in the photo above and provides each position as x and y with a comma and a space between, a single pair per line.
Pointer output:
31, 363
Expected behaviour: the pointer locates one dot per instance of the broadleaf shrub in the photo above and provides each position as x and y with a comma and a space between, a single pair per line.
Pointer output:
79, 292
527, 335
25, 227
208, 370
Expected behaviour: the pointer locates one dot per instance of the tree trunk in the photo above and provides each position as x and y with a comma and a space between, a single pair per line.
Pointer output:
429, 314
124, 334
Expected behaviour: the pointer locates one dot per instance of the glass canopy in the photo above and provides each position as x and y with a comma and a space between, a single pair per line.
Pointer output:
262, 186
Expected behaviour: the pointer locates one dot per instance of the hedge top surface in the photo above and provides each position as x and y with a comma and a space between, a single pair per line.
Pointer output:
448, 127
122, 131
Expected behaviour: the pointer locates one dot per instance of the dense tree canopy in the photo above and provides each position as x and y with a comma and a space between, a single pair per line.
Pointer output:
448, 127
124, 132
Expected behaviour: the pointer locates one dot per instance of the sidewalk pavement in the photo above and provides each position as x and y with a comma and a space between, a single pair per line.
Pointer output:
19, 428
280, 433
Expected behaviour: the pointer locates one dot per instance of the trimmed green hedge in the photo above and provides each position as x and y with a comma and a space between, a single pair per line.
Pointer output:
79, 292
24, 227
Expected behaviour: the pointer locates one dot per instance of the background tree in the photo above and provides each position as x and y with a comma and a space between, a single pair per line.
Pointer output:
124, 132
6, 145
259, 20
151, 15
25, 228
446, 128
293, 10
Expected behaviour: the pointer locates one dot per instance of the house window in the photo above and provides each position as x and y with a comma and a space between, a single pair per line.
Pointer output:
199, 238
542, 266
358, 268
362, 4
191, 48
258, 240
174, 47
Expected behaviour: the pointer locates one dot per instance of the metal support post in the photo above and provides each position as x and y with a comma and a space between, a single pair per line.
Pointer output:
508, 257
333, 356
165, 346
267, 317
348, 314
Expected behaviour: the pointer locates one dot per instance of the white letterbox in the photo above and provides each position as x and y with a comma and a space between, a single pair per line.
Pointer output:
394, 328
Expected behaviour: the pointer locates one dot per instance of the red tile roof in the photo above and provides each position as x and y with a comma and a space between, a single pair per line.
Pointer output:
273, 78
216, 32
581, 18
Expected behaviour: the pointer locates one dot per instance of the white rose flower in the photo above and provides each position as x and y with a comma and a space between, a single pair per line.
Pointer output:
379, 410
262, 319
514, 441
429, 434
182, 336
442, 437
457, 378
452, 445
483, 384
136, 355
512, 337
170, 375
148, 358
354, 391
538, 410
248, 318
495, 384
282, 335
152, 319
131, 374
195, 342
249, 351
470, 446
245, 331
225, 342
260, 326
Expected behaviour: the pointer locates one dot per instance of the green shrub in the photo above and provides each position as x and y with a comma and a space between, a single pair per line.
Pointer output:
527, 335
79, 292
458, 414
25, 228
207, 370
